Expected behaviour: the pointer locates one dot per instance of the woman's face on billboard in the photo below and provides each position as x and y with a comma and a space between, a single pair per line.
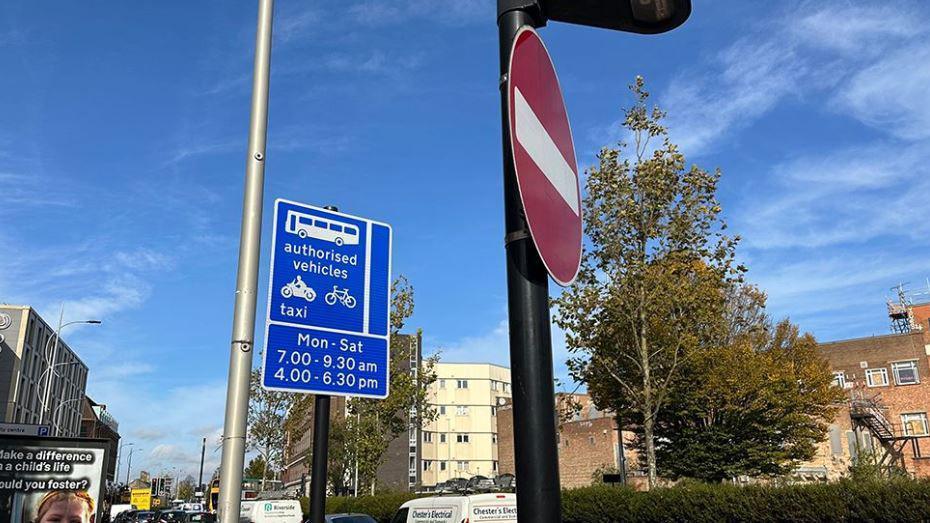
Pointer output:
66, 511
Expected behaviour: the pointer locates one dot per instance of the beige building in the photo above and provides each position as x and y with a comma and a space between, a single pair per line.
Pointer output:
462, 442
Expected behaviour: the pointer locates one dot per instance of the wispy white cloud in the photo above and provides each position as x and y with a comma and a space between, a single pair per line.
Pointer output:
891, 94
852, 194
853, 29
856, 52
19, 190
121, 370
291, 26
195, 147
143, 259
389, 12
493, 346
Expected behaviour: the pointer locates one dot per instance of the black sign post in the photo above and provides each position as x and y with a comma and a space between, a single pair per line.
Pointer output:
535, 449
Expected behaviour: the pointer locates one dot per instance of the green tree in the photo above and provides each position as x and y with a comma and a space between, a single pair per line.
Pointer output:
652, 278
267, 424
256, 468
756, 401
186, 489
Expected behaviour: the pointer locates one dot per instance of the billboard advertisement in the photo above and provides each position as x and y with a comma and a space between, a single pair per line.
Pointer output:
45, 480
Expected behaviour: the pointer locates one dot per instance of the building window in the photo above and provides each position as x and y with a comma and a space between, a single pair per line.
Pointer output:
915, 424
493, 385
876, 377
839, 379
442, 465
461, 465
494, 439
427, 465
493, 410
461, 384
905, 372
427, 437
442, 438
442, 384
506, 387
461, 438
461, 410
442, 410
494, 466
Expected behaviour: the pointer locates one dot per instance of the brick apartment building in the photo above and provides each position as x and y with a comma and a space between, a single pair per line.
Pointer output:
888, 381
97, 422
588, 442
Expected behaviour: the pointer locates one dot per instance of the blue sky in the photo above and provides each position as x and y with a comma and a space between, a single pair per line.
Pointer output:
122, 146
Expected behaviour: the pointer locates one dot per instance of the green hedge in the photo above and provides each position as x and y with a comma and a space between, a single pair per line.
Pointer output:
843, 501
876, 501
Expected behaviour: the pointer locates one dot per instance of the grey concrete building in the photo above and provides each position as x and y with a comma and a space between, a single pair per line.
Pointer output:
401, 467
27, 350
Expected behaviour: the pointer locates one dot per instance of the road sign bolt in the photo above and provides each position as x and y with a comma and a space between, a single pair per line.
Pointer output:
259, 156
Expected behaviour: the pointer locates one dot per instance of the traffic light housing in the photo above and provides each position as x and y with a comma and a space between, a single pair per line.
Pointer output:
632, 16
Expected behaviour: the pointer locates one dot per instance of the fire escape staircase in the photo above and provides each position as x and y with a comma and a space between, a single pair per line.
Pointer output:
868, 414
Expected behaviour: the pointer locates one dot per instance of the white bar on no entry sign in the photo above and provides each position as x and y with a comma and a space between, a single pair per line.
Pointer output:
533, 137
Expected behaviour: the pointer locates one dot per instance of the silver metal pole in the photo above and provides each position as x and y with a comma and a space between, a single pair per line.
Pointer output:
240, 352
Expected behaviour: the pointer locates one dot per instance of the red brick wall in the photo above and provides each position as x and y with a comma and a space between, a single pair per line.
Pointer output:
588, 441
505, 459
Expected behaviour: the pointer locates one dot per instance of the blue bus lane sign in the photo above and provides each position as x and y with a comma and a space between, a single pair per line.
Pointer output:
328, 303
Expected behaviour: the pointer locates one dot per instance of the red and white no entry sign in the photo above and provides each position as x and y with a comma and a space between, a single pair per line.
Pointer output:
544, 157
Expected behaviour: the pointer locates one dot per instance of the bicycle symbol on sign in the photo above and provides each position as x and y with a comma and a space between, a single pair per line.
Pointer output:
342, 296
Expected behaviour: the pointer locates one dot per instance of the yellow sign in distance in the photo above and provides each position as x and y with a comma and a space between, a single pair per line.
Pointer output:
142, 498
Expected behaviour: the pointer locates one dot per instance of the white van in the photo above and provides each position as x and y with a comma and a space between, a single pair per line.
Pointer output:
275, 511
458, 509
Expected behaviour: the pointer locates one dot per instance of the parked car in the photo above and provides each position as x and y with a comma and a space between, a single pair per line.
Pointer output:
347, 518
200, 517
454, 509
145, 516
170, 516
116, 510
126, 516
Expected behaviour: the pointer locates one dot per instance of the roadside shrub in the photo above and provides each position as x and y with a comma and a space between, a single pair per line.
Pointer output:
844, 501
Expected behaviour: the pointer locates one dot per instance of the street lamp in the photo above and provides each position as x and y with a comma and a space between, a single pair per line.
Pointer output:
129, 465
119, 456
50, 360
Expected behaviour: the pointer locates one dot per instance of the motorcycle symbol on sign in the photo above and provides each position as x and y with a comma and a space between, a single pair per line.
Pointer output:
299, 289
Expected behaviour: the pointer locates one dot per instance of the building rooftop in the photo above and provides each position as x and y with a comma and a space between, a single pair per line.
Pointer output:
874, 336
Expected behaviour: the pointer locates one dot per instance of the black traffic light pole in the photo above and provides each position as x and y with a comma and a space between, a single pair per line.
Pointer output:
320, 457
535, 452
320, 448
